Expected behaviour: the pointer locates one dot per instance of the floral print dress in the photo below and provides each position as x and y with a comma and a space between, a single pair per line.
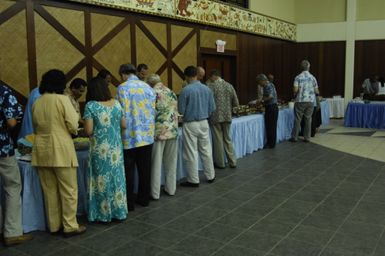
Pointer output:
106, 178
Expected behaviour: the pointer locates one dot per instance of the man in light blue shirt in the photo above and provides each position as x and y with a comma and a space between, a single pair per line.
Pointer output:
26, 125
196, 104
305, 90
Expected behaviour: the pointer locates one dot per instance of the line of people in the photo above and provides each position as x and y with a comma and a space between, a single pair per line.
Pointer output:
137, 130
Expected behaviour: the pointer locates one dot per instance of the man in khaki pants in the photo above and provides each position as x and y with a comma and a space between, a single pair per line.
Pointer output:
9, 171
220, 121
196, 104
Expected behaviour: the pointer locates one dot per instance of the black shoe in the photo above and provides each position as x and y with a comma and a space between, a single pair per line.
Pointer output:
211, 181
219, 167
130, 208
189, 184
307, 141
292, 140
233, 166
142, 202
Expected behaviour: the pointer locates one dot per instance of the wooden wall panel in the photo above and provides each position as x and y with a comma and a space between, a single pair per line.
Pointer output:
178, 33
53, 50
5, 4
209, 37
188, 55
13, 53
158, 30
177, 82
71, 19
369, 61
147, 52
101, 24
282, 59
327, 60
116, 52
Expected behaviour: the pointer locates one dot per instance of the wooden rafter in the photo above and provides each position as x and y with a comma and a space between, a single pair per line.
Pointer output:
60, 28
11, 11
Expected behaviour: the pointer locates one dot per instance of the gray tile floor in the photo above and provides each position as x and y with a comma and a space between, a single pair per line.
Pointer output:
298, 199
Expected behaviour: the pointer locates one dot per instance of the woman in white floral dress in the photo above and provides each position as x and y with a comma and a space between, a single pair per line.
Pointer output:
106, 179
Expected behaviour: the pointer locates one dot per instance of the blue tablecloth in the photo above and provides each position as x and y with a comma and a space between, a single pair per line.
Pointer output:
248, 134
32, 195
325, 112
361, 115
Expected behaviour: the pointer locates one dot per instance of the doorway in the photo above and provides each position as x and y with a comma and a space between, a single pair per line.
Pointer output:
226, 64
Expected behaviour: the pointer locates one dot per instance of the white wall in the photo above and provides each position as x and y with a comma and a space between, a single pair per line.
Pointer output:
280, 9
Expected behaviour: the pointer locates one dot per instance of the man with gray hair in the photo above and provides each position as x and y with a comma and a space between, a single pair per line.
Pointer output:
220, 121
269, 100
305, 90
165, 149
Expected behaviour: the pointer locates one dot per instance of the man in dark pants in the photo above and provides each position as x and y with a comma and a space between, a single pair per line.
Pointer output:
269, 99
138, 102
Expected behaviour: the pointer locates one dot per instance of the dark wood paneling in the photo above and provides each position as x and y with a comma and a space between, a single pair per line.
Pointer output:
327, 60
281, 58
369, 61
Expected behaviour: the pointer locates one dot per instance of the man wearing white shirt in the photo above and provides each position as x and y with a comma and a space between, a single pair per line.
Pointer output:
305, 90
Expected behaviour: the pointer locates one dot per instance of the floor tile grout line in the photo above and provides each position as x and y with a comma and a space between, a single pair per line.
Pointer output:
250, 227
315, 207
350, 213
378, 241
164, 224
271, 169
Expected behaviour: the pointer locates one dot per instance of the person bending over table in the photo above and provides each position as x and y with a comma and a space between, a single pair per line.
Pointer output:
53, 153
165, 150
269, 99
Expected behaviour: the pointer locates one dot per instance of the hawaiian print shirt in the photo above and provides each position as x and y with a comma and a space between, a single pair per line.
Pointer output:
166, 119
306, 84
225, 100
138, 102
9, 108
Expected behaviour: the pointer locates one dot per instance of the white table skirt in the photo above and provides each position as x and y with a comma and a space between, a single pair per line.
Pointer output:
336, 107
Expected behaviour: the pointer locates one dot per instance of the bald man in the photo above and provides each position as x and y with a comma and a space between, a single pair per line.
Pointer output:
200, 73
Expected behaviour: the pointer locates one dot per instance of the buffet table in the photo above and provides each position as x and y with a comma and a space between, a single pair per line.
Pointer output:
336, 107
371, 115
247, 132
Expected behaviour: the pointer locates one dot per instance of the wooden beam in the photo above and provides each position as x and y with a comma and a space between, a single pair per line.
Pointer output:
60, 28
11, 11
152, 38
31, 44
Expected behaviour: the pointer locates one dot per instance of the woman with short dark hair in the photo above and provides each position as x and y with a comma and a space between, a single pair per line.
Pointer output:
106, 179
53, 153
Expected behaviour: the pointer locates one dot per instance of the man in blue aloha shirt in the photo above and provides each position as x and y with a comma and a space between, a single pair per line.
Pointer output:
9, 171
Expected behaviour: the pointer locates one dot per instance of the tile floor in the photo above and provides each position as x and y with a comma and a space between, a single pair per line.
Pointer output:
298, 199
